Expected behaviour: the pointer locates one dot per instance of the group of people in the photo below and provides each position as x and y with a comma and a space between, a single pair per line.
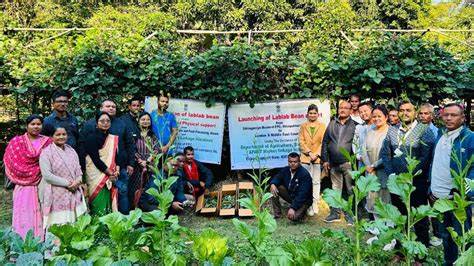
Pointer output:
381, 141
61, 171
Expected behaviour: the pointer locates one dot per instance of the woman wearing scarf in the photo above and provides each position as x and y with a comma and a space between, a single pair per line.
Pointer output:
60, 192
143, 156
101, 169
21, 161
371, 155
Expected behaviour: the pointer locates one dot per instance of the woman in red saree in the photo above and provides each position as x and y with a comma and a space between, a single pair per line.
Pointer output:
21, 161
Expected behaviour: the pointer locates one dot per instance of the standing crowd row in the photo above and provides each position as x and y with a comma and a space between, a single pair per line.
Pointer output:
61, 172
381, 140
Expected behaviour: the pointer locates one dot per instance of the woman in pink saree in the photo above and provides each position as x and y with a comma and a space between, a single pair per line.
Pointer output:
21, 161
60, 192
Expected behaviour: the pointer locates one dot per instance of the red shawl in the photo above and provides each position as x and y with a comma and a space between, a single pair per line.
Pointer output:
22, 160
193, 173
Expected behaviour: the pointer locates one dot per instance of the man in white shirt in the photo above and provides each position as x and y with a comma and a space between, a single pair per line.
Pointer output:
457, 141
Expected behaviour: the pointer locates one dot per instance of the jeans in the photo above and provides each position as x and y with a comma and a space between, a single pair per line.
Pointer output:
122, 186
283, 193
418, 197
450, 248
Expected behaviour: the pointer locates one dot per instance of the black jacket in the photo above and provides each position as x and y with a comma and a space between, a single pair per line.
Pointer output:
126, 145
132, 124
300, 189
333, 140
205, 175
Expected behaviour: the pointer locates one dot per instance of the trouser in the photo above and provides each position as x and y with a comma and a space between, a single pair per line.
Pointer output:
340, 176
283, 193
450, 248
314, 170
435, 223
123, 196
418, 197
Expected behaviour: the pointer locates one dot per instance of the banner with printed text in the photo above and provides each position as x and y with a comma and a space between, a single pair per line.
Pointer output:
268, 131
199, 126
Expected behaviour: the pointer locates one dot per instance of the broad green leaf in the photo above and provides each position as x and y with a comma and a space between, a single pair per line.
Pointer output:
366, 184
334, 199
82, 245
415, 248
389, 212
465, 259
278, 257
443, 205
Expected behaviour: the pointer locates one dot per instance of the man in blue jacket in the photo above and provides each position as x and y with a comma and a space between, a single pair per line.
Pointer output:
455, 143
294, 184
125, 155
149, 203
410, 139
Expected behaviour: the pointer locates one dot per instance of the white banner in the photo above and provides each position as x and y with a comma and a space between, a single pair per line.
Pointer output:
269, 130
199, 126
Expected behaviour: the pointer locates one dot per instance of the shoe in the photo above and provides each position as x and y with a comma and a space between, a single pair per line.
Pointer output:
436, 242
333, 217
349, 219
310, 211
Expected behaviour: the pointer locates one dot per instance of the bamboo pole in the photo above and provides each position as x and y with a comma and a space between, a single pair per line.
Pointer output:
47, 39
55, 29
454, 38
348, 40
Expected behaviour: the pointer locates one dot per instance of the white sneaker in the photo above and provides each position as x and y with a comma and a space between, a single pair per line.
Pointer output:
310, 211
435, 242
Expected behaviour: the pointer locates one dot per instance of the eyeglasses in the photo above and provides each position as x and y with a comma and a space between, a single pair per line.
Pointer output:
104, 121
62, 101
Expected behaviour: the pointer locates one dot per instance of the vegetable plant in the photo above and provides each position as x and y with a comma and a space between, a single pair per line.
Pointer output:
401, 225
210, 248
123, 236
363, 185
458, 205
76, 239
210, 202
228, 201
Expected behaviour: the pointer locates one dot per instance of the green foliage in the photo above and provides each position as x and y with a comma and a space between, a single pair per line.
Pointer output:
210, 247
459, 204
258, 235
309, 252
121, 62
123, 237
27, 251
401, 225
75, 239
363, 185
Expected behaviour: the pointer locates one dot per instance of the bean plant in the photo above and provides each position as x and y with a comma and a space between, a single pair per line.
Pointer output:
363, 185
458, 205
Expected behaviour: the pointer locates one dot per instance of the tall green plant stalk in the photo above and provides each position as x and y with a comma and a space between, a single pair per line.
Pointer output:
459, 203
363, 185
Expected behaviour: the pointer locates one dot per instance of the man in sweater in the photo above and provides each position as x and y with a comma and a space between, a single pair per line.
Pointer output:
456, 143
415, 140
293, 184
339, 135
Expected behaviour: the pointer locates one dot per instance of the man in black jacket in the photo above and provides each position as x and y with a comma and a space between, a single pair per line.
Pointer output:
339, 135
125, 155
130, 119
294, 184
